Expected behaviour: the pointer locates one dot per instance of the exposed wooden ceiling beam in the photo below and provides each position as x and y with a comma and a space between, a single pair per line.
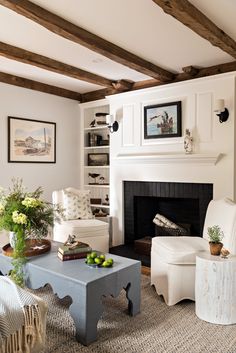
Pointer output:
207, 71
89, 40
123, 85
38, 86
191, 17
183, 76
27, 57
190, 70
95, 95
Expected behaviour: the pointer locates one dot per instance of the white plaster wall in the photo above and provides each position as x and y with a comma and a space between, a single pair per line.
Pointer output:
210, 136
24, 103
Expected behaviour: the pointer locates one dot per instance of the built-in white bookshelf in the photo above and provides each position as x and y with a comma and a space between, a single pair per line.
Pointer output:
95, 151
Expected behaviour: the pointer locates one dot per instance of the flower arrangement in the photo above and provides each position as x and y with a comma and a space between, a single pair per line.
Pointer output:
28, 216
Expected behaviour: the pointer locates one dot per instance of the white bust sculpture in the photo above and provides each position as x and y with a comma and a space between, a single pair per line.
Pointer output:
188, 142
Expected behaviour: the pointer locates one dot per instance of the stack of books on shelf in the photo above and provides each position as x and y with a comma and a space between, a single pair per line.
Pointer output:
76, 250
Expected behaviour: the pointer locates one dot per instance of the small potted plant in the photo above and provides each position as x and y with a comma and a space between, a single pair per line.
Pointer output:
215, 235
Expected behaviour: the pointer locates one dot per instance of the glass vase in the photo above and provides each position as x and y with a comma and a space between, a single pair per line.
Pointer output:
12, 239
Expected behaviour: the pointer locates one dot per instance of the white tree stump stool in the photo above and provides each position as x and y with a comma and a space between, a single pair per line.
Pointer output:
215, 289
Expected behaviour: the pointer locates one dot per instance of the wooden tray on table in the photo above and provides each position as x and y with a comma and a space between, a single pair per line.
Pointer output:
33, 247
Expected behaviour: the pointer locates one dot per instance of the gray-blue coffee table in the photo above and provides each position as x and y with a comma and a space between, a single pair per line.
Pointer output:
85, 285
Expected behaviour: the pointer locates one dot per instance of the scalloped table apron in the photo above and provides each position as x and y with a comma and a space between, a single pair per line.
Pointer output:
85, 285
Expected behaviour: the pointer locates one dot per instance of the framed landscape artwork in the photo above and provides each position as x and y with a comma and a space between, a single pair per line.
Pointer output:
31, 141
162, 120
98, 159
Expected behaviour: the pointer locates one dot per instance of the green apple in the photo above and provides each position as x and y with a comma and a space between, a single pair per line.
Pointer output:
93, 255
98, 261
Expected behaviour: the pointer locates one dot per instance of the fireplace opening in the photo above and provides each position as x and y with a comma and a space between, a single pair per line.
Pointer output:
180, 202
182, 211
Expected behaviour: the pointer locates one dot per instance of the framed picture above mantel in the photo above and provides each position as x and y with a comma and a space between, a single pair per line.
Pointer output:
162, 120
31, 141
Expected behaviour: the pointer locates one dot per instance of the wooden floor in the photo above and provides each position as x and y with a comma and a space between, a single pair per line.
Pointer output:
145, 270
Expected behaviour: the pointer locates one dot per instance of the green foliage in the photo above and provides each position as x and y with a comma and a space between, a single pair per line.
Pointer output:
215, 234
26, 214
19, 259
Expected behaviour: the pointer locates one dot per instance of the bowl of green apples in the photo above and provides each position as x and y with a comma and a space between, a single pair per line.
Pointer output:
96, 260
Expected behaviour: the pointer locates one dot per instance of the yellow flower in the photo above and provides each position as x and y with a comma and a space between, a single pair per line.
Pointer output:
1, 208
31, 202
19, 218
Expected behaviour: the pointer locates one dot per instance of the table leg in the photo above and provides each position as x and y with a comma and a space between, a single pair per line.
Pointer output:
133, 296
86, 310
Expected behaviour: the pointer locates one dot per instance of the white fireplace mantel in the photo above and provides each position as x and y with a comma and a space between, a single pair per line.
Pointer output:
166, 158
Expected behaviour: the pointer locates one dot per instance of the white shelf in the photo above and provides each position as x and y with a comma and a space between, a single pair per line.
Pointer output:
99, 205
96, 128
166, 158
96, 166
97, 186
96, 147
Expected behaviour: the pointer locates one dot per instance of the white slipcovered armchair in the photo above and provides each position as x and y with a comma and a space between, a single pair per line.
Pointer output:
173, 259
91, 231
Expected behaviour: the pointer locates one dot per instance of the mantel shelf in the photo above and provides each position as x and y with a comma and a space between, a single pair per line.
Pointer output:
166, 158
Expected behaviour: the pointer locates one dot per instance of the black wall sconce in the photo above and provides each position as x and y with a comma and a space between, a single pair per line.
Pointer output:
112, 124
221, 111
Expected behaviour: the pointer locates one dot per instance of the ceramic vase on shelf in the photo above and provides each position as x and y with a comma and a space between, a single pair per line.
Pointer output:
12, 239
188, 142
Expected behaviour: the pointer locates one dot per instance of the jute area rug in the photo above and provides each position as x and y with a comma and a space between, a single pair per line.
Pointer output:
157, 329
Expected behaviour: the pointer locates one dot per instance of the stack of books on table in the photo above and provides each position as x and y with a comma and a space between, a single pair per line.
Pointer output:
74, 251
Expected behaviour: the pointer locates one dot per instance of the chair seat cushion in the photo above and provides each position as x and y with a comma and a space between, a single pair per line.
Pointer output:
178, 250
88, 227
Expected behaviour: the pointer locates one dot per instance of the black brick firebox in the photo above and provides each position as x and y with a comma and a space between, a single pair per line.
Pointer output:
180, 202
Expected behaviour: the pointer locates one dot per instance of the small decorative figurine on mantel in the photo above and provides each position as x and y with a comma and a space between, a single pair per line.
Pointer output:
188, 142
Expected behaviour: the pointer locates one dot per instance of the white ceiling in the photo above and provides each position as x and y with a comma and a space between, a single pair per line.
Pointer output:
138, 26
